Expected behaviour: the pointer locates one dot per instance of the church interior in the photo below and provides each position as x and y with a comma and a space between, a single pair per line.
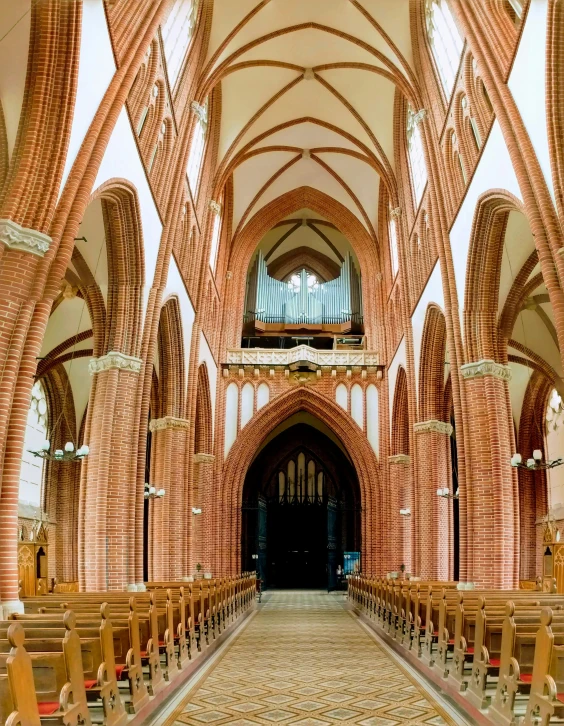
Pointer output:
281, 381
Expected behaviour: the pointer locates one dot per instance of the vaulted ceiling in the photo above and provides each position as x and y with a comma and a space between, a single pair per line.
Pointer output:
308, 92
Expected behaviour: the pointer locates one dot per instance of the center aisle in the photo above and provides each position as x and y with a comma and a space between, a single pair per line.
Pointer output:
303, 659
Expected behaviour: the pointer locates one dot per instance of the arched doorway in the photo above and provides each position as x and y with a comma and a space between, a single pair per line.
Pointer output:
301, 508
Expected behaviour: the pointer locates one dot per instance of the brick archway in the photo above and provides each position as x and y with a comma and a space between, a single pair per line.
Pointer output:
245, 447
244, 245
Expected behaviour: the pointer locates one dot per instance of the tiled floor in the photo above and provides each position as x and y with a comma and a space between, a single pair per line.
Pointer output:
305, 660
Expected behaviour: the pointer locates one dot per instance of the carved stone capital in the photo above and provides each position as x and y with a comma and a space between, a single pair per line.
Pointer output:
200, 111
485, 368
420, 115
438, 427
204, 458
169, 422
113, 360
395, 213
215, 207
25, 240
399, 459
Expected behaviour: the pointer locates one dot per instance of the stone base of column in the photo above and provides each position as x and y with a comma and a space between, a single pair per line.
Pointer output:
136, 587
12, 606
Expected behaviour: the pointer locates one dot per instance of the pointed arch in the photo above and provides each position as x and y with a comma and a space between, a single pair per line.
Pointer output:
251, 437
203, 425
237, 258
400, 431
432, 364
172, 385
126, 265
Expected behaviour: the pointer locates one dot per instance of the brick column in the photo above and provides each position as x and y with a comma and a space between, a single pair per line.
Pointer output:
401, 498
109, 474
202, 542
168, 529
434, 512
21, 250
491, 493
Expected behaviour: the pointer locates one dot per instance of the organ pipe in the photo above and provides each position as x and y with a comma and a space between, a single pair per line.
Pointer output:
273, 301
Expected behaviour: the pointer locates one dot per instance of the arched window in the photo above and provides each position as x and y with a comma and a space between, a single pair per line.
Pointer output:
393, 235
177, 33
416, 155
198, 147
446, 43
31, 473
216, 208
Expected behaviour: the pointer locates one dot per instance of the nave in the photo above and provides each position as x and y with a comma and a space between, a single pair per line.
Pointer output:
303, 658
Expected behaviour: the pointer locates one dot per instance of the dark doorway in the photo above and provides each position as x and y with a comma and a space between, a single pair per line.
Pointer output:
301, 511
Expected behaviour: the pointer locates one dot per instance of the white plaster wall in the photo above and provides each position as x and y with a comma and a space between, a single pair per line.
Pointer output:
207, 358
175, 286
263, 395
122, 161
433, 293
494, 171
398, 360
80, 382
95, 71
342, 396
520, 376
247, 403
15, 24
372, 423
357, 405
528, 85
231, 416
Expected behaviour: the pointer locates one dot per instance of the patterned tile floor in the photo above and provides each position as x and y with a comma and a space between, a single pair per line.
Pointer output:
305, 660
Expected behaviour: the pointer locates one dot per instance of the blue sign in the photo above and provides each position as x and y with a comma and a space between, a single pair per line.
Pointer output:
352, 563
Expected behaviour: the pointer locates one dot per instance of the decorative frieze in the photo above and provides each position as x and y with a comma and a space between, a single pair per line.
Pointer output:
204, 458
301, 354
485, 368
115, 360
23, 239
437, 427
399, 459
169, 422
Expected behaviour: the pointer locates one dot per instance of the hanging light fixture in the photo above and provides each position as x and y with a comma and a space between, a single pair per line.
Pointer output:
152, 492
67, 454
536, 463
444, 492
554, 419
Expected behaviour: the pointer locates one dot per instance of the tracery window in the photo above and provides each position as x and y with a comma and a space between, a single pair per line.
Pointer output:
473, 125
446, 43
416, 155
198, 147
177, 33
31, 473
294, 283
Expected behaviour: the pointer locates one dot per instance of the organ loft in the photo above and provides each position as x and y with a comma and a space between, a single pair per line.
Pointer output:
281, 381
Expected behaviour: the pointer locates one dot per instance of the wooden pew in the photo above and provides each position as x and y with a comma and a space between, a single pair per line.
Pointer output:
56, 676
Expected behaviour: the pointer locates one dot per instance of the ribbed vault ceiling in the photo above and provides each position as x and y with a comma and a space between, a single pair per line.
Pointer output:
307, 98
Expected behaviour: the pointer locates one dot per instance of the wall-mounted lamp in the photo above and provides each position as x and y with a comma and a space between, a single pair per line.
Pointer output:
405, 512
